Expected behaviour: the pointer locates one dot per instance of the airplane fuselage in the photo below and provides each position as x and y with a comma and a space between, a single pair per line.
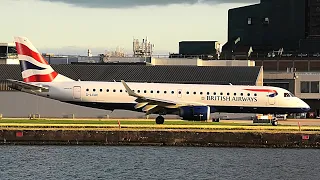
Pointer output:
220, 98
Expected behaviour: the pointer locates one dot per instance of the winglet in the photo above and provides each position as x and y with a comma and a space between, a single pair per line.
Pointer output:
130, 92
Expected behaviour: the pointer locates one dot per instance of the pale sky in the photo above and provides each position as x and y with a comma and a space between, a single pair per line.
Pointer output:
72, 26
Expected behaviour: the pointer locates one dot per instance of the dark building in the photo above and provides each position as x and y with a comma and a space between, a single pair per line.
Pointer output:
201, 49
293, 25
197, 47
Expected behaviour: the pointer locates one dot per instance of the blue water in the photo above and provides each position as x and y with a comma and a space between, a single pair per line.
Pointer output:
108, 162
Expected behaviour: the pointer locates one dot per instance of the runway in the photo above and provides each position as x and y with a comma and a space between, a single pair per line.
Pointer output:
288, 122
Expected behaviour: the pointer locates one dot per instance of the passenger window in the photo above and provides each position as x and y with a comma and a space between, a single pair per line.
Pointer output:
194, 92
248, 94
145, 91
214, 93
179, 92
201, 93
255, 94
221, 94
165, 92
286, 95
138, 91
114, 90
228, 94
235, 94
120, 90
107, 90
158, 92
172, 92
94, 90
208, 93
241, 94
87, 89
187, 92
151, 91
100, 90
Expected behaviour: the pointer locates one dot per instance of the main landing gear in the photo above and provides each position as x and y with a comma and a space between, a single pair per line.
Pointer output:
160, 120
274, 122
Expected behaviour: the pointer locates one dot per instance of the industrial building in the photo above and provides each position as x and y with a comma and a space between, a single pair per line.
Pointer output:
288, 26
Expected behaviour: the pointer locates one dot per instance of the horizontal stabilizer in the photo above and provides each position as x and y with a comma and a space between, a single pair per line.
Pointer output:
19, 85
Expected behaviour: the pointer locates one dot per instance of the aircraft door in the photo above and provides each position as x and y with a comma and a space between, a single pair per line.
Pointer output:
179, 93
271, 99
77, 92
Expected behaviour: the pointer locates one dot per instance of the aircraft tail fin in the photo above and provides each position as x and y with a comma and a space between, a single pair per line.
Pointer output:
34, 68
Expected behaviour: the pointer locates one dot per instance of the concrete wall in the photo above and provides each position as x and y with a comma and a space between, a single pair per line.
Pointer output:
174, 61
225, 63
3, 61
200, 62
126, 59
306, 77
12, 61
259, 81
18, 104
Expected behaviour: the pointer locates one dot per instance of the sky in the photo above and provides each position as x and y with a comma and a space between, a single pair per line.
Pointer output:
73, 26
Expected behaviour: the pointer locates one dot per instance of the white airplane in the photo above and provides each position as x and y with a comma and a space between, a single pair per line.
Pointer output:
192, 102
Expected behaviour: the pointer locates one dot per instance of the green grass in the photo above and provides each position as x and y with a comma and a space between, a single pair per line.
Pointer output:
107, 122
148, 124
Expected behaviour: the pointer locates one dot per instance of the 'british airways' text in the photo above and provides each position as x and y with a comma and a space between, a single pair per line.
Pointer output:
228, 98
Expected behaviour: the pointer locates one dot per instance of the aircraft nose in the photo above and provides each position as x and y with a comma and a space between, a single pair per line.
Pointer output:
306, 107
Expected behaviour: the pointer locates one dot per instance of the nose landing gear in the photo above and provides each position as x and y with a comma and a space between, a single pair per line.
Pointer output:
274, 122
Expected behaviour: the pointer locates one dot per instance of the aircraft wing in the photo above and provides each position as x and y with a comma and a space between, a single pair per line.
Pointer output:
151, 105
19, 85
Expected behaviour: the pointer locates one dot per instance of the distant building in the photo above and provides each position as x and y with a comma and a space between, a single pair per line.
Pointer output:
8, 53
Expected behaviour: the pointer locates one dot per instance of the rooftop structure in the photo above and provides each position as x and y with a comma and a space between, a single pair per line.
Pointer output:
144, 49
206, 50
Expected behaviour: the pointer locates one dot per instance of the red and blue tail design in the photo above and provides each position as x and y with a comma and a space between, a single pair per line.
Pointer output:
34, 67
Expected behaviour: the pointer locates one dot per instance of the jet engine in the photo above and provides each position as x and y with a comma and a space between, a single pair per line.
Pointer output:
195, 113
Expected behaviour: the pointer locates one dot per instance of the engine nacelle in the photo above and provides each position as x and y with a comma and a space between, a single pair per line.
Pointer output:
195, 113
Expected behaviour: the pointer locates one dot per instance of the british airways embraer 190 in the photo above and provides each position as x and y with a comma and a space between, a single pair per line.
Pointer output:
192, 102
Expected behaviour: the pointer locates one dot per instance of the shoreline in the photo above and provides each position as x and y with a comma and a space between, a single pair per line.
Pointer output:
141, 133
161, 137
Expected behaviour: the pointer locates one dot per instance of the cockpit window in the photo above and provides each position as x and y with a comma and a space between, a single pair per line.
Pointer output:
288, 95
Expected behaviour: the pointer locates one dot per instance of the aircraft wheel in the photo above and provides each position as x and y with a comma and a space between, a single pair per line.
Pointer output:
274, 123
159, 120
